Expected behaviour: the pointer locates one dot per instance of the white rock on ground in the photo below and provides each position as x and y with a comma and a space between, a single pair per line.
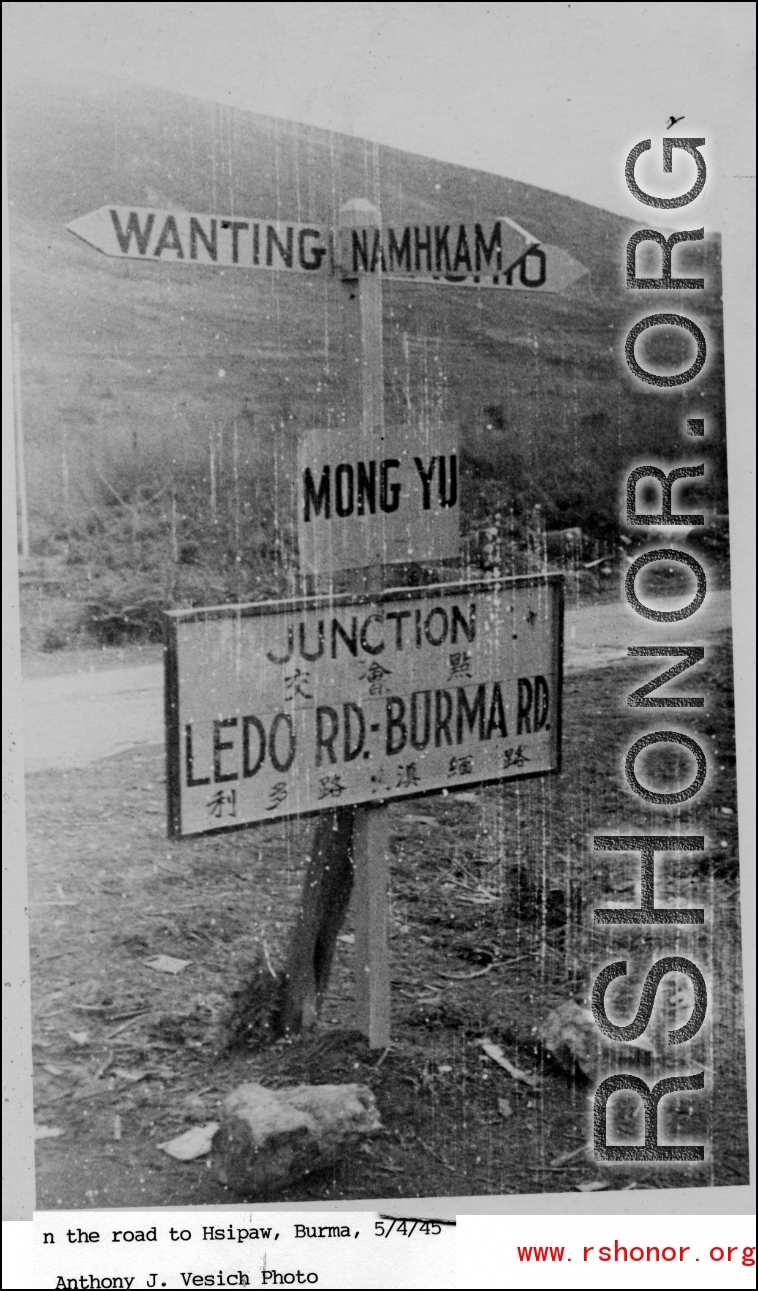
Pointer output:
270, 1138
574, 1039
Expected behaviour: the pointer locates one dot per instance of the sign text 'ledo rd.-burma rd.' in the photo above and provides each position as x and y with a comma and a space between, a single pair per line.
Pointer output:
279, 709
487, 253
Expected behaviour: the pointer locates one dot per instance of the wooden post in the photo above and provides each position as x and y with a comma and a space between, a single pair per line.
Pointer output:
349, 851
370, 823
372, 962
350, 845
368, 289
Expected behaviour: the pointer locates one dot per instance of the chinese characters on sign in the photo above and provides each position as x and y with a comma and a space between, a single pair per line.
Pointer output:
284, 708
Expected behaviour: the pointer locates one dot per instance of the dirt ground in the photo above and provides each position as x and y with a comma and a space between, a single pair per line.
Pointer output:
492, 898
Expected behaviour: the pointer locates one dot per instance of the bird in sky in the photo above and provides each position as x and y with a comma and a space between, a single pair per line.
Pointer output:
673, 121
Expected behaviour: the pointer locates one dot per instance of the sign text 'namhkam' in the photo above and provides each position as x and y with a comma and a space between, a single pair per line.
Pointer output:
490, 253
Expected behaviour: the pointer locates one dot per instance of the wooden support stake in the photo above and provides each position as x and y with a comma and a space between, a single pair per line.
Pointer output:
371, 826
369, 289
350, 847
372, 965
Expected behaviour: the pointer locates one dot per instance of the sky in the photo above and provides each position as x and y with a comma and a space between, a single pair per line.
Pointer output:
550, 94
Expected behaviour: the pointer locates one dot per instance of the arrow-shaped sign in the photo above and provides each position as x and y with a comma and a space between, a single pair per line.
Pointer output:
493, 253
139, 233
538, 267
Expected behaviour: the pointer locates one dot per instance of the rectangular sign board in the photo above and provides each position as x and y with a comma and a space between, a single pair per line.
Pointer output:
397, 505
283, 708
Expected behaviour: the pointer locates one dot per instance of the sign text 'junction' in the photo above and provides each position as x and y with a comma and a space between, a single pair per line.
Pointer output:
278, 709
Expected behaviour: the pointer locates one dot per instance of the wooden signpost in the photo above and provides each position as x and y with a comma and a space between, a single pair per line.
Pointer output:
369, 825
487, 253
339, 703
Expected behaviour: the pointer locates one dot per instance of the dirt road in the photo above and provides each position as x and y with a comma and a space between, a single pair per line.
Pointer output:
74, 718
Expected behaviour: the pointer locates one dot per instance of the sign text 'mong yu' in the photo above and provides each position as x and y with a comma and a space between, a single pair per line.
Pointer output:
396, 505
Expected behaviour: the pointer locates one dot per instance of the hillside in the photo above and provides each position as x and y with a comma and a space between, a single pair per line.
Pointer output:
144, 377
